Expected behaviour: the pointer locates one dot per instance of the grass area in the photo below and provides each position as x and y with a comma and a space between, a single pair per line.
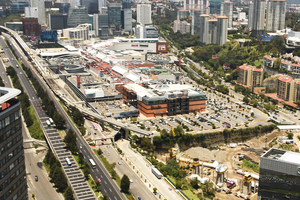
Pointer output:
11, 18
35, 129
257, 63
93, 185
248, 164
190, 194
288, 147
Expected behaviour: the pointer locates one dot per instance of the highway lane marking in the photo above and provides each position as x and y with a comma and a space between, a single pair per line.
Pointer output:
105, 190
105, 182
109, 189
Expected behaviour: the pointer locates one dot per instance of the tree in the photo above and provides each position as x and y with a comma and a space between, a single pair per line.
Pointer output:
86, 169
290, 136
70, 140
68, 194
178, 184
194, 183
99, 152
246, 100
58, 119
154, 190
105, 197
98, 184
125, 184
277, 63
80, 158
6, 12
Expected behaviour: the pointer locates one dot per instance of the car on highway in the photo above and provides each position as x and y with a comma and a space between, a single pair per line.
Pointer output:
36, 178
131, 181
99, 179
95, 133
119, 163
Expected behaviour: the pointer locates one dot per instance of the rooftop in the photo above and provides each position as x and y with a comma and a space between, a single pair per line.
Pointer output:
257, 70
245, 67
286, 79
8, 93
283, 155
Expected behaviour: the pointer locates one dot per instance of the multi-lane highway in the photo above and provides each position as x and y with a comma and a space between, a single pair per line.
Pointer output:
74, 175
108, 185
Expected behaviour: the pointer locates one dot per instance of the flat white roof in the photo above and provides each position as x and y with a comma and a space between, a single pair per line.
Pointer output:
291, 157
8, 93
288, 127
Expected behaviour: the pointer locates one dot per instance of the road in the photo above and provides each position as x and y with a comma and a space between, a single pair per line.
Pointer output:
141, 165
43, 188
137, 188
112, 189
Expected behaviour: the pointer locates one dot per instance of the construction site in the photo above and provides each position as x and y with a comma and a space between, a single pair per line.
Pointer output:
226, 166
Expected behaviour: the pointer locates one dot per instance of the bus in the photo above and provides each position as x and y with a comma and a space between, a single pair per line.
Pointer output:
69, 162
95, 127
93, 163
51, 120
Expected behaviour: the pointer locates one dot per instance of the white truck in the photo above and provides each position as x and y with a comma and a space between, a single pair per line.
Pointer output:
157, 173
51, 120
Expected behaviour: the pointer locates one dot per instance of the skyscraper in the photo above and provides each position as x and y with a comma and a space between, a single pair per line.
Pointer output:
127, 15
101, 4
204, 30
13, 184
215, 6
222, 26
196, 20
258, 17
250, 15
227, 10
275, 15
40, 4
213, 29
144, 14
91, 5
77, 15
114, 14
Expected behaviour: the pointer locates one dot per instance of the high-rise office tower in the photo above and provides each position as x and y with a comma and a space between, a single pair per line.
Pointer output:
101, 4
215, 6
91, 5
64, 8
275, 15
196, 12
77, 15
144, 14
222, 26
114, 14
250, 15
227, 10
127, 15
40, 4
96, 24
258, 17
57, 21
13, 184
204, 30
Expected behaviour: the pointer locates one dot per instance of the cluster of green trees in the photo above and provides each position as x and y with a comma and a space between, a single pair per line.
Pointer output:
207, 188
70, 140
23, 97
58, 119
57, 175
206, 80
178, 132
144, 142
209, 139
292, 20
78, 118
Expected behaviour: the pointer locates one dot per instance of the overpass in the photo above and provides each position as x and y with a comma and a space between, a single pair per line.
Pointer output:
93, 113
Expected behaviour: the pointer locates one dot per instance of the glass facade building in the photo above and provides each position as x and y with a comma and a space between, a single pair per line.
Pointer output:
114, 14
13, 184
215, 6
78, 15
